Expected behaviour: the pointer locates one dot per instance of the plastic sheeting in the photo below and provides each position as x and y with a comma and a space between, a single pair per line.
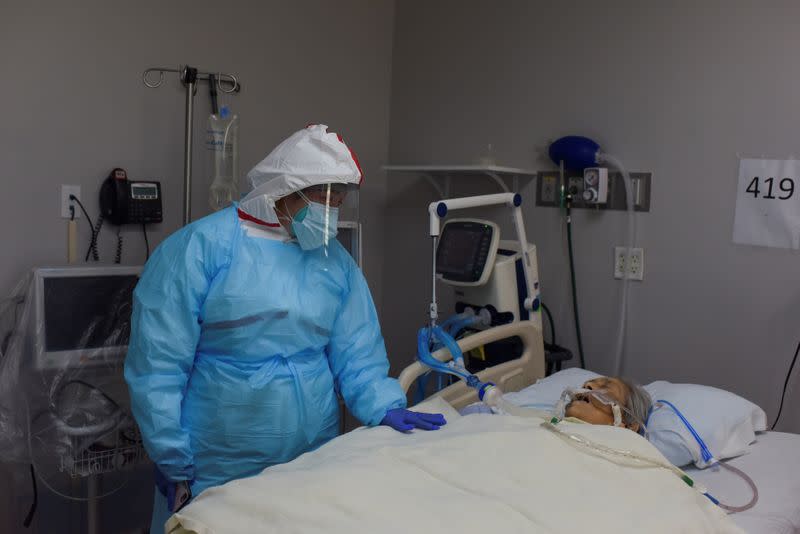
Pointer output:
63, 402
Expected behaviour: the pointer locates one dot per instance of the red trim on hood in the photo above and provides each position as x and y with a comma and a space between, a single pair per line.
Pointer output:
248, 217
355, 158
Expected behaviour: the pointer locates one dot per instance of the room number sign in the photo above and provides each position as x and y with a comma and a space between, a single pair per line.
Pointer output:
768, 203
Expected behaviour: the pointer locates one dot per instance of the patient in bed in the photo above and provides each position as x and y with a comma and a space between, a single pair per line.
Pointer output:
633, 400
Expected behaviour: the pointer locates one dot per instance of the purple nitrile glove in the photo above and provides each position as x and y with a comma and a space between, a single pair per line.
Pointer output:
178, 494
404, 420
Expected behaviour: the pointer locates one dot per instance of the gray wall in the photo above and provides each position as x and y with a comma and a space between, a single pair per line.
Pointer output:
674, 88
74, 107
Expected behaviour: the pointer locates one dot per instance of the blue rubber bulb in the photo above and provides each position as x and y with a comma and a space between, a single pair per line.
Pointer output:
575, 151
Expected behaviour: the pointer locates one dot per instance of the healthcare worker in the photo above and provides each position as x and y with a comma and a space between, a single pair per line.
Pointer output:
247, 323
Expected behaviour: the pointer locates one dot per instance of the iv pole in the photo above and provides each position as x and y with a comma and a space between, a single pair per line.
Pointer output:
190, 76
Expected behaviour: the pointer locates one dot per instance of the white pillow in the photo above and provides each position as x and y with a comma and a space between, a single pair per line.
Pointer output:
544, 394
726, 422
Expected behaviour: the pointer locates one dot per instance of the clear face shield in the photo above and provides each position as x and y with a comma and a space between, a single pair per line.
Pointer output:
320, 211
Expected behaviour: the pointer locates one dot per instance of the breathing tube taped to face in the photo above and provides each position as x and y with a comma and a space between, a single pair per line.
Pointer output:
222, 142
600, 396
710, 461
62, 395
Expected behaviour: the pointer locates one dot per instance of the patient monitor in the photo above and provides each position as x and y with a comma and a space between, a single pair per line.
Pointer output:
82, 315
485, 271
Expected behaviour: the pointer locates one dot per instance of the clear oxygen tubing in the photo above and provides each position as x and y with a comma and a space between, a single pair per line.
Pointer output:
708, 457
753, 501
631, 238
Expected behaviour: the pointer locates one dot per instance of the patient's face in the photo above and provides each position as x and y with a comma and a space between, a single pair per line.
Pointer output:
593, 411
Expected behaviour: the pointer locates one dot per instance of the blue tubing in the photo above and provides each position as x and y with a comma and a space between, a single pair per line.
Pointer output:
450, 320
707, 456
456, 327
451, 345
424, 354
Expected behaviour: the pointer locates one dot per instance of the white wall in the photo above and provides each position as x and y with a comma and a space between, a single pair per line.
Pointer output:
74, 107
675, 88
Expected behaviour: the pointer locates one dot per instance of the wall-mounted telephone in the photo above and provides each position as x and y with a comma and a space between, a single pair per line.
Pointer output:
126, 202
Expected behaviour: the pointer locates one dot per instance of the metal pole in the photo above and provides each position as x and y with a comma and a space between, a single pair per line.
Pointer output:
92, 513
189, 78
434, 311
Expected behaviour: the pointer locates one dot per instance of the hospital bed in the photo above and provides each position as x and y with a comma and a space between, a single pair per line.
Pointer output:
312, 474
773, 461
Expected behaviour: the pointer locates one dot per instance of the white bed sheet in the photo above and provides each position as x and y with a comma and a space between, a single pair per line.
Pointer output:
475, 475
773, 462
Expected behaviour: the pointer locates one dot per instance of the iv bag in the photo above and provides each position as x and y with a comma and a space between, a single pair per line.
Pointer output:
222, 142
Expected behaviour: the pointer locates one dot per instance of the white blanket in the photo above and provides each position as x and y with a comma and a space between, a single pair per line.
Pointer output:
477, 474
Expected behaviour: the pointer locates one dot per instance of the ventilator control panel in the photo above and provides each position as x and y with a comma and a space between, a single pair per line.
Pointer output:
466, 251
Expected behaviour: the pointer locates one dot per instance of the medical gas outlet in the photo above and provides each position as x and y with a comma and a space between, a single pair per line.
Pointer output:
595, 185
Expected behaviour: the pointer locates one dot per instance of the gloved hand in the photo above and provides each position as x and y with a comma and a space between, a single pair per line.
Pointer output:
404, 420
178, 494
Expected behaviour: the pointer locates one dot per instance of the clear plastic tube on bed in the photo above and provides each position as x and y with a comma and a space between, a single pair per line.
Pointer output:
749, 481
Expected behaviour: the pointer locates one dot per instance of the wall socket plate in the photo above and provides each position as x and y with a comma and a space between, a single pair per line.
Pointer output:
634, 269
549, 190
66, 191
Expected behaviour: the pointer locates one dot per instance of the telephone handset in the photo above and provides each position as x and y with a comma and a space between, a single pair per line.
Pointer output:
126, 202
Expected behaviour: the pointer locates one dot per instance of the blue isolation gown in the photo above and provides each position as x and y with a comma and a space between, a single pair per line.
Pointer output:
239, 346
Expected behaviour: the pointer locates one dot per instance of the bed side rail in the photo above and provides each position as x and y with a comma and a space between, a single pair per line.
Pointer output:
509, 376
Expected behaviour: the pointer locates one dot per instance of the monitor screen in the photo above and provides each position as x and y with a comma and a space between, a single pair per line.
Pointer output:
87, 312
463, 251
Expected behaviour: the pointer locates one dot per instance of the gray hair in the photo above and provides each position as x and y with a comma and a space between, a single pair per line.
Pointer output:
638, 403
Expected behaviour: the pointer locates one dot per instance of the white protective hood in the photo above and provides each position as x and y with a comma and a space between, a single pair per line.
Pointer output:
311, 156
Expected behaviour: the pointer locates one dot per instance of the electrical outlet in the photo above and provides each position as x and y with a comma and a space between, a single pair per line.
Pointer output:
549, 185
634, 268
619, 262
636, 264
66, 191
